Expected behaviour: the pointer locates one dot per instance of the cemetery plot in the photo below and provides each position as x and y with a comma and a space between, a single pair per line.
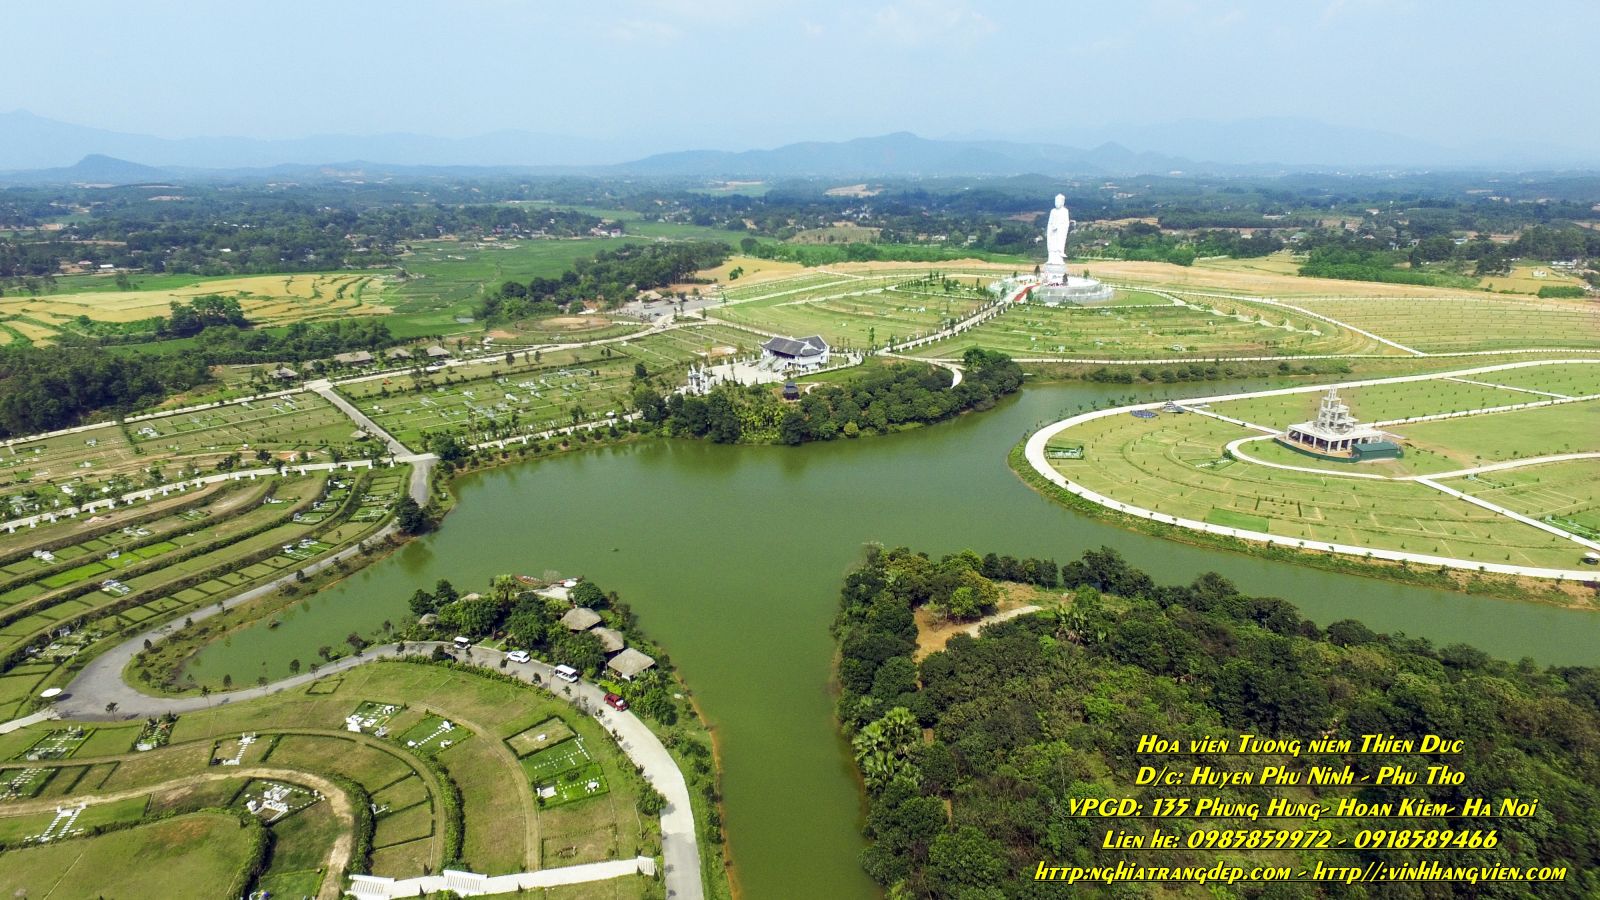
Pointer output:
545, 734
564, 773
372, 717
247, 748
1567, 379
59, 743
693, 344
1379, 402
1202, 329
404, 794
1519, 434
194, 854
1564, 494
1445, 324
108, 460
69, 819
23, 783
862, 311
506, 405
1167, 464
155, 734
290, 731
793, 286
273, 801
433, 734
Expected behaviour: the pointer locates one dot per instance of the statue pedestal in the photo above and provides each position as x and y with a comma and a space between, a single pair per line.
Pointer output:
1072, 290
1053, 273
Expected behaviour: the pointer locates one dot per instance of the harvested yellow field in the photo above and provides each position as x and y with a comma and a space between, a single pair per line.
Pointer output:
1274, 264
1527, 278
755, 269
266, 300
31, 331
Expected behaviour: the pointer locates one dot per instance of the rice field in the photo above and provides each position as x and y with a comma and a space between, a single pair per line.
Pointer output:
265, 299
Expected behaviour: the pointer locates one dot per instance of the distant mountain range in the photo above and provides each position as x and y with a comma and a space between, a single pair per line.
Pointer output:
40, 150
35, 142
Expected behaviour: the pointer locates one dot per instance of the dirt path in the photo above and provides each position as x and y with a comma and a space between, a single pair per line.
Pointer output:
524, 787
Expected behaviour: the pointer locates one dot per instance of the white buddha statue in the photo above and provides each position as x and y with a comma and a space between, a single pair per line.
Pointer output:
1055, 232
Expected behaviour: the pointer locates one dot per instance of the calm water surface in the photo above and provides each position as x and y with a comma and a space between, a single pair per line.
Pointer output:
732, 557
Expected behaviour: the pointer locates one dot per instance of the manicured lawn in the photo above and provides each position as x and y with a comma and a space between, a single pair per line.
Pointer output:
1566, 428
1566, 494
855, 312
433, 734
1454, 323
1376, 403
1205, 327
1571, 379
540, 736
188, 856
1169, 464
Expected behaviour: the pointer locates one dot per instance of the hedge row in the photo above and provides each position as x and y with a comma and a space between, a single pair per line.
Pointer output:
365, 824
455, 828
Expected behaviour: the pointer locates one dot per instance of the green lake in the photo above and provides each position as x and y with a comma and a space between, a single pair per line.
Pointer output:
733, 556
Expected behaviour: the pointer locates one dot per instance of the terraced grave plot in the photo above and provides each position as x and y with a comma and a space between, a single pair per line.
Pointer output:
273, 801
59, 743
545, 734
23, 783
431, 735
372, 717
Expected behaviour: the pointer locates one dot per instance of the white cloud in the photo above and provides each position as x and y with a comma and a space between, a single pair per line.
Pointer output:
645, 31
926, 21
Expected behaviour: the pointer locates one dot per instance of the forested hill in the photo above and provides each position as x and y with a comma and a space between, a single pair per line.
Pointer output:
1049, 708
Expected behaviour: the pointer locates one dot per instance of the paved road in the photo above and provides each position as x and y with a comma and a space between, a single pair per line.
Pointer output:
1034, 451
467, 884
324, 389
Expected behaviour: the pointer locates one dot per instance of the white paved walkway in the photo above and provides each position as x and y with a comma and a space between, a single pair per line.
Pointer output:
470, 884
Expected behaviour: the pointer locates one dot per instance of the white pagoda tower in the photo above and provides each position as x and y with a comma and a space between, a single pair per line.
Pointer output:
1335, 431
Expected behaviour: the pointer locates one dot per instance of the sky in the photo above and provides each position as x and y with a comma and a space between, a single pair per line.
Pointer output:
736, 74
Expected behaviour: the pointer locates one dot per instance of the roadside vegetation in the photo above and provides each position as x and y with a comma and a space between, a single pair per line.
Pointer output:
970, 767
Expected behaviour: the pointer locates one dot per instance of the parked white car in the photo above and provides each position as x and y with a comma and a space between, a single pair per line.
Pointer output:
518, 656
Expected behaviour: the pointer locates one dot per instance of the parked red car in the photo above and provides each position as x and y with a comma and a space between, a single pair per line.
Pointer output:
616, 702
